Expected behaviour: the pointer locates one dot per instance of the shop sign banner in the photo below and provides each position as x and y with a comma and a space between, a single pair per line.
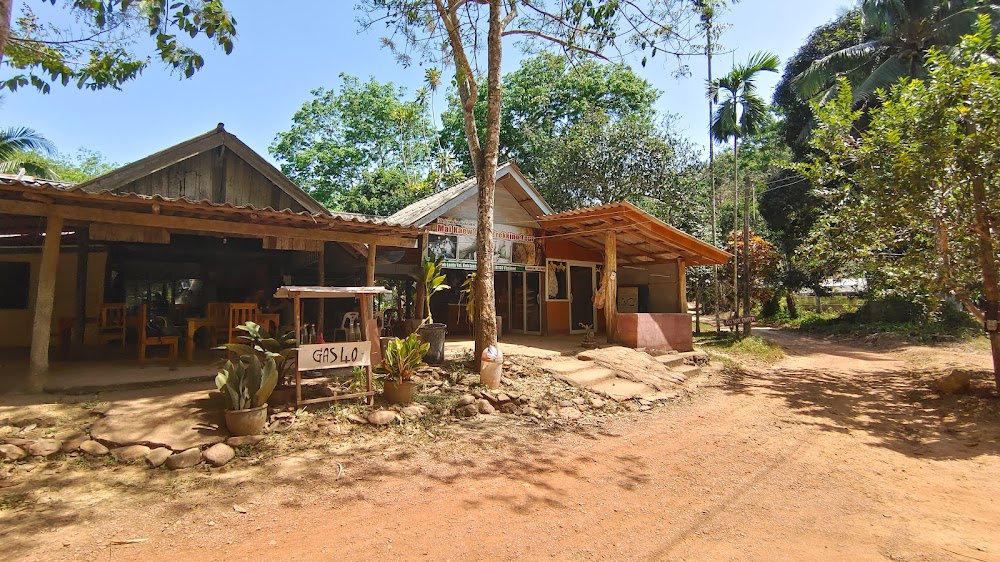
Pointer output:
455, 241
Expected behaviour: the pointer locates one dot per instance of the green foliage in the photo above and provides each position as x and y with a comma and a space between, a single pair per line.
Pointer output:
896, 37
363, 148
741, 112
764, 260
82, 166
544, 98
21, 148
433, 278
248, 383
257, 342
99, 49
753, 348
901, 195
402, 358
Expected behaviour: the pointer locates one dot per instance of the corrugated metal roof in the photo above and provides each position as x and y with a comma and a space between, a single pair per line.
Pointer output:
412, 213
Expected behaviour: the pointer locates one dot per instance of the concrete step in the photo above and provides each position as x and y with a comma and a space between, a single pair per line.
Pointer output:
621, 389
670, 361
688, 371
567, 365
587, 377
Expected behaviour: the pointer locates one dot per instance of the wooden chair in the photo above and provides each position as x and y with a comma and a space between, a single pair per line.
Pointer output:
344, 323
111, 324
240, 313
218, 315
147, 340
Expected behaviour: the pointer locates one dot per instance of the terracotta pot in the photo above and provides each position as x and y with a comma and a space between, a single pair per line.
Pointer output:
246, 422
401, 393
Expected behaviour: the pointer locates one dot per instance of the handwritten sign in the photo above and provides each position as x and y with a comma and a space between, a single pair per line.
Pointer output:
313, 357
740, 321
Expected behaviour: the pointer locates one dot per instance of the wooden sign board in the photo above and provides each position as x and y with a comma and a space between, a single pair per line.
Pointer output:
740, 321
318, 356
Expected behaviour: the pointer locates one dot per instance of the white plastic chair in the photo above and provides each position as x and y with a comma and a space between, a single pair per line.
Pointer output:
347, 320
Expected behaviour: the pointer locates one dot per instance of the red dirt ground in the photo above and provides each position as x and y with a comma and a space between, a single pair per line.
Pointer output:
837, 453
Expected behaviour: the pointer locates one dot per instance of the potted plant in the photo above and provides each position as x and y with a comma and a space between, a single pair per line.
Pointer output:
256, 341
246, 385
401, 360
430, 332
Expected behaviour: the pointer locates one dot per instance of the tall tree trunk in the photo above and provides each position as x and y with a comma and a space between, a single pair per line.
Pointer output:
6, 7
736, 224
746, 259
988, 263
711, 174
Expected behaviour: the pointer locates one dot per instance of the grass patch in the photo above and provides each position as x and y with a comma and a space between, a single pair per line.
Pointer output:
752, 348
10, 502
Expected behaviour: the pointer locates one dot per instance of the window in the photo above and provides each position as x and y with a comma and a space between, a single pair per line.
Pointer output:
15, 278
555, 280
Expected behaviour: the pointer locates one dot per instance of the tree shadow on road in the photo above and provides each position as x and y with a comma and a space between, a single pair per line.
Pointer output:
897, 409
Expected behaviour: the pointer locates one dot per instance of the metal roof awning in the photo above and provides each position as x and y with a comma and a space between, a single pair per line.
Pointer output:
642, 239
290, 292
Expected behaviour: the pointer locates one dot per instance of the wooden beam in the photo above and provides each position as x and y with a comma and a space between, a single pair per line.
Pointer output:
41, 328
80, 316
191, 224
611, 291
682, 285
321, 312
219, 174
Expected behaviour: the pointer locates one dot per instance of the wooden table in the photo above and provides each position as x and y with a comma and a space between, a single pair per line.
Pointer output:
195, 324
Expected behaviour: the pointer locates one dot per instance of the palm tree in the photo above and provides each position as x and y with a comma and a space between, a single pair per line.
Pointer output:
16, 147
741, 113
899, 32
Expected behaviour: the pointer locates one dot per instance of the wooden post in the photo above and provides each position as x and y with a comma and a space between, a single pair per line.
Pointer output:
682, 285
611, 292
367, 302
80, 318
41, 329
298, 339
321, 312
366, 311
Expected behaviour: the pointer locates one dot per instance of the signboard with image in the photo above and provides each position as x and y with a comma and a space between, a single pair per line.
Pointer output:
514, 248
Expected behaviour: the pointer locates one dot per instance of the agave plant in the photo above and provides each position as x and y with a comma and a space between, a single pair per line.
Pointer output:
402, 358
248, 383
256, 341
433, 283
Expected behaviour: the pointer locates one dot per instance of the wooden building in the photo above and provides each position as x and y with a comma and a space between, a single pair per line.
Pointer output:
551, 266
203, 221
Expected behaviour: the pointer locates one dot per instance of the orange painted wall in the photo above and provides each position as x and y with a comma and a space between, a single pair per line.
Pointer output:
557, 317
556, 249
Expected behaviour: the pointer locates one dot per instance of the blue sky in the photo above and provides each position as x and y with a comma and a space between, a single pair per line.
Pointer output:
282, 54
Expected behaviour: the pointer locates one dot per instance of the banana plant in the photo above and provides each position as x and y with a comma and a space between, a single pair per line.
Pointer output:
402, 358
434, 282
248, 383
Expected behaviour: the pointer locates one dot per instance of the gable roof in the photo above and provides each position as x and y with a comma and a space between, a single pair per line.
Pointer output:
426, 210
116, 179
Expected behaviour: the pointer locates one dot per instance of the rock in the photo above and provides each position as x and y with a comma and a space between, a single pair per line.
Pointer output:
465, 400
505, 381
467, 411
508, 408
158, 456
414, 411
45, 447
955, 382
93, 448
476, 394
485, 407
596, 403
11, 452
130, 453
282, 416
185, 459
357, 419
645, 408
630, 405
570, 413
382, 417
579, 401
71, 438
246, 440
531, 412
503, 398
565, 403
218, 454
22, 443
524, 399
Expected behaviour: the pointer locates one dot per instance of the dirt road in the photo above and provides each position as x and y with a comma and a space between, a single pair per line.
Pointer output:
835, 454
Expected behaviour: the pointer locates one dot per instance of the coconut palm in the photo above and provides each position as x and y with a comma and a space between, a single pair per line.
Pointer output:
741, 113
899, 32
16, 147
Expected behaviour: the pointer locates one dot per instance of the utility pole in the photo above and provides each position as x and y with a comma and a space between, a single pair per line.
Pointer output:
746, 256
707, 15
